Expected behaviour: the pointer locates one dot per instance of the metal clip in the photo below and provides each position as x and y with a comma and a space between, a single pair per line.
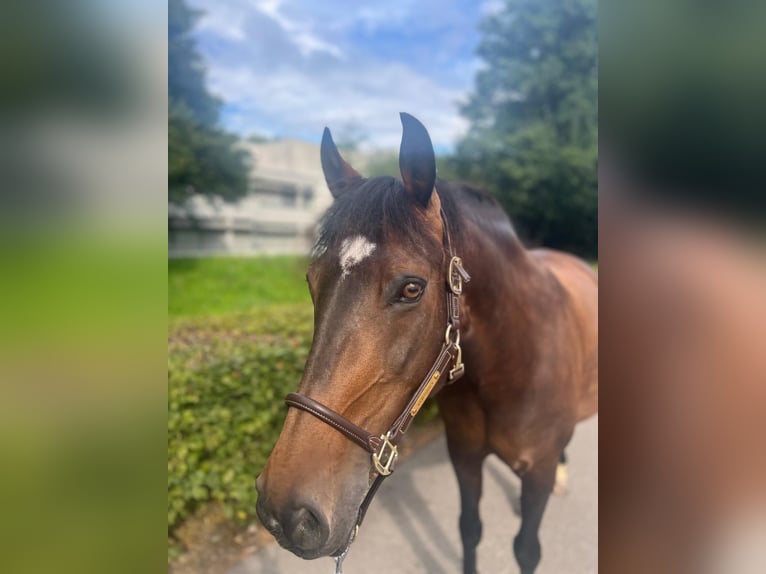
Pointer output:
378, 458
459, 368
342, 556
448, 336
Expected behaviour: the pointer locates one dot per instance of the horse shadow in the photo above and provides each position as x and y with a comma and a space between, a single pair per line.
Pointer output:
413, 514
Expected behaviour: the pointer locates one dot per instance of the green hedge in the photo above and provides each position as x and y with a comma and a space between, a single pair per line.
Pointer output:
226, 380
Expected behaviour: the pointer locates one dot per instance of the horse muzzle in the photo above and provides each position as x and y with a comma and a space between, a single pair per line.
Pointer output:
300, 526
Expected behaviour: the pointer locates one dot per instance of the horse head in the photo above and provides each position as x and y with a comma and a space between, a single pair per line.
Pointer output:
376, 279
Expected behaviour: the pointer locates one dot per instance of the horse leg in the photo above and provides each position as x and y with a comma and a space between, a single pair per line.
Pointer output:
562, 475
536, 486
467, 467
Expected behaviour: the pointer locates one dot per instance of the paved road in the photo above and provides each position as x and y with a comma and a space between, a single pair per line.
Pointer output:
412, 525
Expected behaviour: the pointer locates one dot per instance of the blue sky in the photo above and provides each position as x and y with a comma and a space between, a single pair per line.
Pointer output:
287, 68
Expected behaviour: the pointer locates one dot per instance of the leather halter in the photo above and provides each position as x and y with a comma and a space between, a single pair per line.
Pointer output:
383, 448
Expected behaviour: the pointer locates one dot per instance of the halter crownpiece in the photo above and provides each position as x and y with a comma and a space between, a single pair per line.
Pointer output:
383, 448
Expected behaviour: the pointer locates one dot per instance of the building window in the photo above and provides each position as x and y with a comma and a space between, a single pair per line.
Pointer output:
275, 195
308, 196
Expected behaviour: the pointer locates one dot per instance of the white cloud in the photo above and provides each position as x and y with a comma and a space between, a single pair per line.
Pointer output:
225, 22
372, 101
288, 68
301, 33
490, 7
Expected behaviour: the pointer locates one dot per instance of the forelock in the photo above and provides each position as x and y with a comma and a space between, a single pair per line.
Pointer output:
379, 210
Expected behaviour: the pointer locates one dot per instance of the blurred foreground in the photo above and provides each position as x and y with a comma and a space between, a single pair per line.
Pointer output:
682, 267
683, 388
83, 151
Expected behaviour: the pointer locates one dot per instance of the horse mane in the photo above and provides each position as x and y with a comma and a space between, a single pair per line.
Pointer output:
379, 206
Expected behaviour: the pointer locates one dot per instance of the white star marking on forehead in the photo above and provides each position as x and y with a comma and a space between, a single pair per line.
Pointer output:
354, 250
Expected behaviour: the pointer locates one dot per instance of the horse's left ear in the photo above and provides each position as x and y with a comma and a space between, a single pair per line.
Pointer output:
417, 162
336, 169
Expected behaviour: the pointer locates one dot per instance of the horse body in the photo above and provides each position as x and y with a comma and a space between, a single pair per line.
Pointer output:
531, 344
529, 335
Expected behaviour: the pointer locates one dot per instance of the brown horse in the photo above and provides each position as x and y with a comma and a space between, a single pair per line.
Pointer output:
529, 330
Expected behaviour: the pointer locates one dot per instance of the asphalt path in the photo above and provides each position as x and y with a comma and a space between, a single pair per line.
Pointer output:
412, 526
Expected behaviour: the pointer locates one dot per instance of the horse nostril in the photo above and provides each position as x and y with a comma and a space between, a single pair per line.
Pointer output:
307, 528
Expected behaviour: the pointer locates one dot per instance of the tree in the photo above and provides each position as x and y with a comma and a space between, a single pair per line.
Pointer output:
533, 139
202, 158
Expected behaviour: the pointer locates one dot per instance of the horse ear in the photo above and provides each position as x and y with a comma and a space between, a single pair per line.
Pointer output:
334, 166
417, 162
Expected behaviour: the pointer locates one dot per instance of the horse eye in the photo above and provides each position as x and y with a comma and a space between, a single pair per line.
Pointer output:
411, 291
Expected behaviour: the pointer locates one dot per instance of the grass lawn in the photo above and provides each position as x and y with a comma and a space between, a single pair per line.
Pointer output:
222, 285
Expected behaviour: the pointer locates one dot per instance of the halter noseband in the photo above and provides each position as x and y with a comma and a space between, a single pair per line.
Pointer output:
383, 448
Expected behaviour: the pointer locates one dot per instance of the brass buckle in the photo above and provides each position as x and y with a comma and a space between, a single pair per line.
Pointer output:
386, 448
454, 277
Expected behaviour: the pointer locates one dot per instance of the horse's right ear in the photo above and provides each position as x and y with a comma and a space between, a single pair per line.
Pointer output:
417, 161
335, 168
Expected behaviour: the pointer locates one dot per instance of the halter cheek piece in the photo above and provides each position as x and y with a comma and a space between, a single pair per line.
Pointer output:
383, 448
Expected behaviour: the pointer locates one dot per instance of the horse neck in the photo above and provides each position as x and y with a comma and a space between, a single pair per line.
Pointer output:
506, 283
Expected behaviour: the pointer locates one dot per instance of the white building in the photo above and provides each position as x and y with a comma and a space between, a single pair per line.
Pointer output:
287, 196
